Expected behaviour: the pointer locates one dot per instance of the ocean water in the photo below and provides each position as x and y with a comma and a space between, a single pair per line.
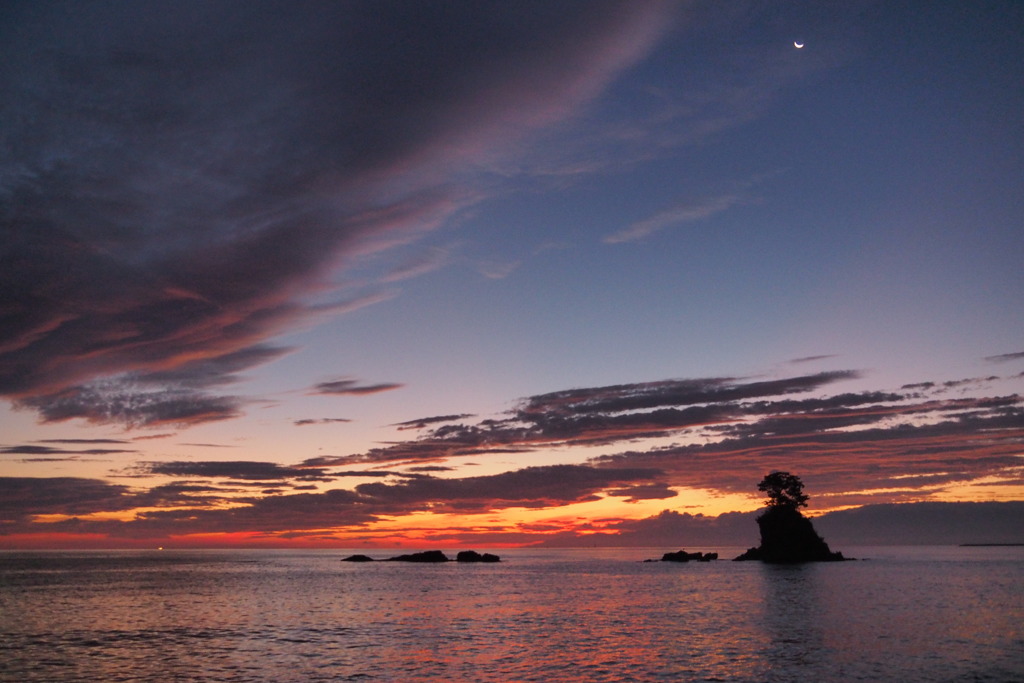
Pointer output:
902, 614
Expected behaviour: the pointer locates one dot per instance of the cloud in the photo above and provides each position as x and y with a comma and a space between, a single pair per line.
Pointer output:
930, 523
853, 447
689, 212
879, 524
498, 270
217, 370
85, 441
233, 469
268, 514
667, 529
595, 416
323, 420
855, 455
21, 497
201, 508
624, 397
531, 487
811, 359
114, 402
33, 449
634, 494
714, 434
1005, 357
350, 387
433, 259
422, 422
180, 182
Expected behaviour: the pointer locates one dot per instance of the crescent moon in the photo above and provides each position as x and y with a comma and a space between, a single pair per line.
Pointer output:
797, 45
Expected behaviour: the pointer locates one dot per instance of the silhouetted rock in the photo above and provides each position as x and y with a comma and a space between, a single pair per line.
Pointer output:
474, 556
358, 558
683, 556
789, 537
425, 556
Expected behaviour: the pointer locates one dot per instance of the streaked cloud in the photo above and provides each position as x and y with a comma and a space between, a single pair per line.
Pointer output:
427, 262
351, 387
713, 434
35, 449
127, 404
1005, 357
320, 421
233, 469
680, 214
596, 416
422, 423
181, 186
272, 511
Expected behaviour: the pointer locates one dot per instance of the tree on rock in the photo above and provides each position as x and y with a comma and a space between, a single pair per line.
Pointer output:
786, 535
784, 490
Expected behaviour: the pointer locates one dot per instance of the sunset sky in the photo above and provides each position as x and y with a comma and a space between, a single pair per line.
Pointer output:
500, 273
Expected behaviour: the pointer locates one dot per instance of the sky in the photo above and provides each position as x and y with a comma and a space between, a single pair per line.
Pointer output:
488, 274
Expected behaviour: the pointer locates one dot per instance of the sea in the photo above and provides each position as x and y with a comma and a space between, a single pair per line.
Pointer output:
895, 614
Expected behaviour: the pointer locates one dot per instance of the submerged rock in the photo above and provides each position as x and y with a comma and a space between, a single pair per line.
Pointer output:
425, 556
358, 558
474, 556
789, 537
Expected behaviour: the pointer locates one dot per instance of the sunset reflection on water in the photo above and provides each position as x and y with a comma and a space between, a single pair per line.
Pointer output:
594, 615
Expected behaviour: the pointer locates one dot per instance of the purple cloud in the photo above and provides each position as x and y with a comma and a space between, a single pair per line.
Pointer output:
599, 415
179, 181
233, 469
34, 449
104, 403
321, 421
1005, 357
424, 421
350, 387
272, 511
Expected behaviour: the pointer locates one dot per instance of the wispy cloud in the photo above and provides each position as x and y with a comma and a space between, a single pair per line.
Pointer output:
1005, 357
233, 469
913, 440
351, 387
680, 214
114, 402
321, 421
850, 449
427, 262
179, 186
534, 487
595, 416
424, 421
498, 270
811, 359
34, 449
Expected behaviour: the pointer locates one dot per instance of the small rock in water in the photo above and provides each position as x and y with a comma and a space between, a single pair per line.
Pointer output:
425, 556
358, 558
683, 556
474, 556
